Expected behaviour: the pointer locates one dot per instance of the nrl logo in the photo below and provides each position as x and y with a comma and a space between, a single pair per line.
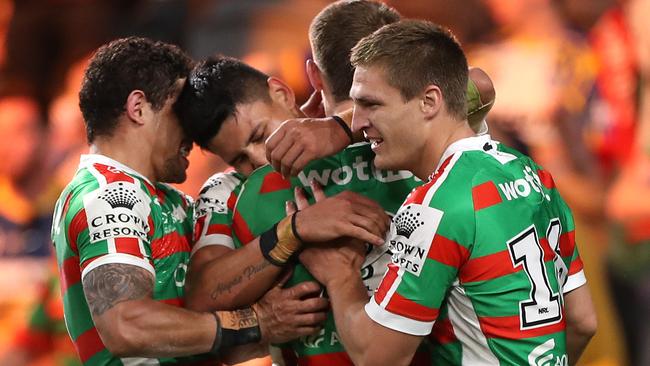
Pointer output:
120, 196
406, 222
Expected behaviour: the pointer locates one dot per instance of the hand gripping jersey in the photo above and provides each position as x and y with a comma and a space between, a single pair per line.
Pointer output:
482, 256
261, 204
111, 214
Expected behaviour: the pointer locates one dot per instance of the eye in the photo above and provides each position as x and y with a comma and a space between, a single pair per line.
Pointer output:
258, 134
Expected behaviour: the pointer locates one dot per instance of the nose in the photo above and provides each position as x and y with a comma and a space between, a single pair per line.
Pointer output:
359, 119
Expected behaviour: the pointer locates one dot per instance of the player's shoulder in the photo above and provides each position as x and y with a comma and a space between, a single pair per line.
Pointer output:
174, 194
100, 178
222, 184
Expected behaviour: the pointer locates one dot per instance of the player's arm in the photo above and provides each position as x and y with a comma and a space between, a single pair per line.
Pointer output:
221, 278
299, 141
226, 278
367, 342
131, 323
581, 321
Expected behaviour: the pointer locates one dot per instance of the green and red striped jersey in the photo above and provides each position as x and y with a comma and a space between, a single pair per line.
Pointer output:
45, 335
213, 210
110, 214
261, 204
482, 256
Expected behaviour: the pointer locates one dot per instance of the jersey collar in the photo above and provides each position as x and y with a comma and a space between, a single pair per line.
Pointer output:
483, 142
87, 160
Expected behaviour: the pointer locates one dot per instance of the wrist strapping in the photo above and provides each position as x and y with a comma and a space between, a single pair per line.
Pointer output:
344, 126
281, 242
238, 328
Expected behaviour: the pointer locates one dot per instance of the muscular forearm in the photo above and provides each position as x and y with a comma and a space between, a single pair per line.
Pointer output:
148, 328
348, 299
233, 280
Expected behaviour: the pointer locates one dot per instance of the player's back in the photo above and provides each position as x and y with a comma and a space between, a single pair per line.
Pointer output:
505, 305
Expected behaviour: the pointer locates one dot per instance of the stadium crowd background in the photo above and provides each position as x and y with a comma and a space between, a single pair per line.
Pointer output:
572, 80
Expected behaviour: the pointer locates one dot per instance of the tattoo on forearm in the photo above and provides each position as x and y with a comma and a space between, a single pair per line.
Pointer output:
251, 271
110, 284
238, 319
248, 272
225, 287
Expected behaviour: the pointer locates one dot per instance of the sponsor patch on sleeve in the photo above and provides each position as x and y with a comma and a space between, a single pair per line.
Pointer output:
117, 210
411, 234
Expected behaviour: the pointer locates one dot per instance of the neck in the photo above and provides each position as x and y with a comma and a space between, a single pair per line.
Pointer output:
130, 153
439, 140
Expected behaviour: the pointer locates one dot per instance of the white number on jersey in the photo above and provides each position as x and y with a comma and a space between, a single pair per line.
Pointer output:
543, 306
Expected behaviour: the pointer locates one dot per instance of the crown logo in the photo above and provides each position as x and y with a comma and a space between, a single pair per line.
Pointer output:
407, 221
120, 196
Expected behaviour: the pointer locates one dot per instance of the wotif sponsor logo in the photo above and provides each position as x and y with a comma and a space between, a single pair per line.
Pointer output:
523, 187
361, 168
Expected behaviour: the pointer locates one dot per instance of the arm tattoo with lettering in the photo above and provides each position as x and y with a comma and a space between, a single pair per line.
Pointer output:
110, 284
248, 273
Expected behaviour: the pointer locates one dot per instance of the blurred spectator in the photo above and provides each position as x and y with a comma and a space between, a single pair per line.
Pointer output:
545, 73
44, 340
26, 202
624, 43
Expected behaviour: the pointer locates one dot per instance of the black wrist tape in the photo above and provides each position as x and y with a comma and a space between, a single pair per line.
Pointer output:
233, 338
268, 241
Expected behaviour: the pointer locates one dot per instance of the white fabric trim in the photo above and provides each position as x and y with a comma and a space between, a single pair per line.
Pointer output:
110, 245
574, 281
468, 329
466, 144
214, 239
393, 287
432, 190
121, 258
139, 361
397, 322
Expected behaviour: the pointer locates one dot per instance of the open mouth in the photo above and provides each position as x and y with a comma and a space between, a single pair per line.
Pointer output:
375, 142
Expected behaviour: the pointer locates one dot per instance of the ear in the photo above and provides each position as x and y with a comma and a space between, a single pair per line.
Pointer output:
431, 101
135, 106
314, 74
281, 93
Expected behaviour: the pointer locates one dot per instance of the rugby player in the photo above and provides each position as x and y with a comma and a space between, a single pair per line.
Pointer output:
122, 238
484, 258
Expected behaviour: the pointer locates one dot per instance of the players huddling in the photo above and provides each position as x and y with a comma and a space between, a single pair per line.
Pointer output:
391, 230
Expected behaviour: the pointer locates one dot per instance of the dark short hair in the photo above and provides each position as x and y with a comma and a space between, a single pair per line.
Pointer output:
414, 54
336, 29
124, 65
213, 90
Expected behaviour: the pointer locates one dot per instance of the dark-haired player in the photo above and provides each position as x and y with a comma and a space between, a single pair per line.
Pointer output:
122, 237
